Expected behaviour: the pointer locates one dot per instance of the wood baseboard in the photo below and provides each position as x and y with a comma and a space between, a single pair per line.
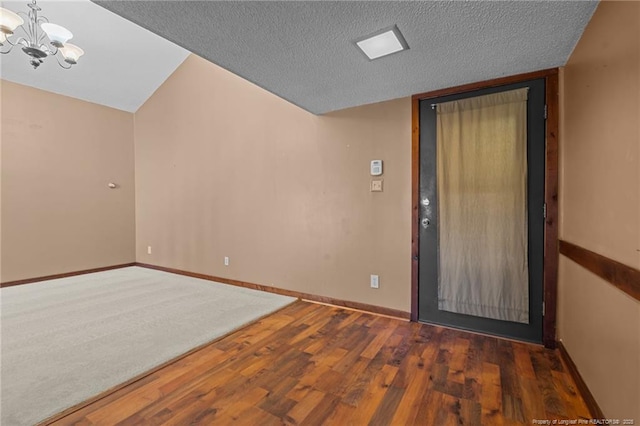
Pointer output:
588, 398
304, 296
622, 276
64, 275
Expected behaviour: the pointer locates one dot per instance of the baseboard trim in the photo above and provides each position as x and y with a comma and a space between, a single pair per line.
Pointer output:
64, 275
587, 396
303, 296
624, 277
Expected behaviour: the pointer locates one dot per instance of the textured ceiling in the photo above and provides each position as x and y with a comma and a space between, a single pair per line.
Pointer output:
123, 64
303, 51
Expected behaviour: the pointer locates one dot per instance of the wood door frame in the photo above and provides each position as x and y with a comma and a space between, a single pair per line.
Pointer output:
550, 283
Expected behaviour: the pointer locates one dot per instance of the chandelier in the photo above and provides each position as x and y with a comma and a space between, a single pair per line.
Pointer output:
38, 38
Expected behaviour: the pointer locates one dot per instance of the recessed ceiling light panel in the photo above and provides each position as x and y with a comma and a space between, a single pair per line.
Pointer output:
382, 43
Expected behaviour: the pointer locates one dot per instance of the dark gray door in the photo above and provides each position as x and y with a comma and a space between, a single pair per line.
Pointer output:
429, 293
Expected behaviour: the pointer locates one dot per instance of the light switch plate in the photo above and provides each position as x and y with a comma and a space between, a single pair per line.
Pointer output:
375, 281
376, 185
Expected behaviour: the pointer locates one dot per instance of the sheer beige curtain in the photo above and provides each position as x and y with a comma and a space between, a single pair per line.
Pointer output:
482, 193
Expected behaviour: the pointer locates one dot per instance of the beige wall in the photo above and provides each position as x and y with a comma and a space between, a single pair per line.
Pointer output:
58, 154
1, 180
224, 168
600, 204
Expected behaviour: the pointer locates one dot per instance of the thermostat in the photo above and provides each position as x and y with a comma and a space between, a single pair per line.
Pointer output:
376, 167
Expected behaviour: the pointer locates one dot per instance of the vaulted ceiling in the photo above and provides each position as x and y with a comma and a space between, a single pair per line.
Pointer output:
304, 51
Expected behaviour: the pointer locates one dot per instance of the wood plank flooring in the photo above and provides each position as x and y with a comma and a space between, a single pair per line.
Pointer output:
313, 364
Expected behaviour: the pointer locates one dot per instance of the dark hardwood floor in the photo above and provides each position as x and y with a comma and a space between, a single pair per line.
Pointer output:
316, 364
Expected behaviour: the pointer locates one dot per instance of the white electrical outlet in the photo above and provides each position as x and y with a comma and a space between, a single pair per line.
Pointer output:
148, 249
375, 281
226, 261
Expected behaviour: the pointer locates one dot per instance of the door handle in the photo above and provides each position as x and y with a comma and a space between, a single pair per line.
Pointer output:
425, 223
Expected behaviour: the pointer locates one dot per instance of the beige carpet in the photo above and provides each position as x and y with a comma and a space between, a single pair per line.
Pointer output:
66, 340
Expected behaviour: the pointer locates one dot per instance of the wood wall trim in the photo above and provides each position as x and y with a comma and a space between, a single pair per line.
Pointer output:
64, 275
415, 208
622, 276
551, 189
486, 84
586, 394
551, 221
304, 296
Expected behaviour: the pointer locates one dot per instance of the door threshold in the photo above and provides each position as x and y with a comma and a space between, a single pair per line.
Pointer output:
479, 333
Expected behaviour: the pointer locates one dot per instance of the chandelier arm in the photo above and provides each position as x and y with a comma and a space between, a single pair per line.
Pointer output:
33, 26
40, 38
41, 20
8, 50
12, 43
66, 67
22, 41
26, 29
